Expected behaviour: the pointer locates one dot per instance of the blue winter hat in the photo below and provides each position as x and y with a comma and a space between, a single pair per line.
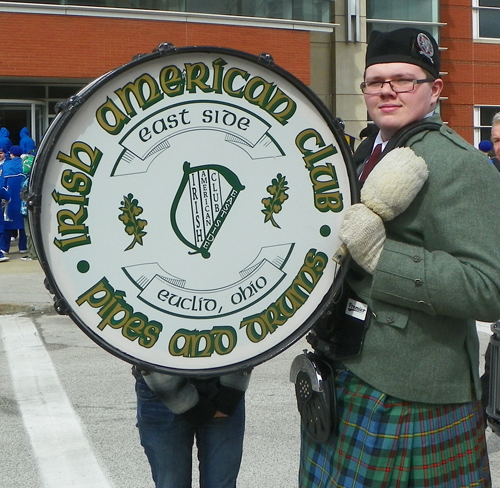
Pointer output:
485, 146
16, 150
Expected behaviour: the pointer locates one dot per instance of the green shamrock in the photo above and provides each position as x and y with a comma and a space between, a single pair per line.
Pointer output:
273, 205
133, 226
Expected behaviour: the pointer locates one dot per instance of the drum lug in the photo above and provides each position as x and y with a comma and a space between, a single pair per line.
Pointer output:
165, 48
61, 306
34, 203
48, 286
72, 103
339, 124
266, 59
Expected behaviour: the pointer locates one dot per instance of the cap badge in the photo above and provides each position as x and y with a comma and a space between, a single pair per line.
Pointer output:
425, 46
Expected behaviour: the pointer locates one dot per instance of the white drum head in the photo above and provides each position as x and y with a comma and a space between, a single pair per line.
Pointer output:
187, 206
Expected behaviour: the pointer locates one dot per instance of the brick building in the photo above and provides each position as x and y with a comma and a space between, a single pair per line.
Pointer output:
471, 59
56, 47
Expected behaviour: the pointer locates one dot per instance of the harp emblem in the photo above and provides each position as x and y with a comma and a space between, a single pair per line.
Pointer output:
202, 203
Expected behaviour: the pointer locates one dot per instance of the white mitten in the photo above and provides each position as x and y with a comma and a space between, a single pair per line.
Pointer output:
363, 232
394, 182
176, 392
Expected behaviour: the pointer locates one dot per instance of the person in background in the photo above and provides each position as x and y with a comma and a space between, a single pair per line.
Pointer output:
495, 139
485, 378
486, 147
27, 164
368, 131
3, 158
409, 411
5, 141
26, 143
4, 199
13, 178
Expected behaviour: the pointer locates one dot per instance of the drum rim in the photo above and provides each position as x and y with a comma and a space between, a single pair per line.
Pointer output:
70, 108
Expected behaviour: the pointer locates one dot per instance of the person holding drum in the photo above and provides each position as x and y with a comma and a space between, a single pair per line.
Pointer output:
173, 411
408, 405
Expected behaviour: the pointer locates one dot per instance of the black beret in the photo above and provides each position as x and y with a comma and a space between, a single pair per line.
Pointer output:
407, 45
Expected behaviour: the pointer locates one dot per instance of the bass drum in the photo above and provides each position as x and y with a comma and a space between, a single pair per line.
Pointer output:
185, 208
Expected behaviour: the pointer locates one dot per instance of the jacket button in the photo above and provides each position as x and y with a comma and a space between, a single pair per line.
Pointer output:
390, 320
417, 259
418, 282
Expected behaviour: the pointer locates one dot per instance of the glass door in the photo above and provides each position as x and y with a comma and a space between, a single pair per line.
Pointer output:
16, 114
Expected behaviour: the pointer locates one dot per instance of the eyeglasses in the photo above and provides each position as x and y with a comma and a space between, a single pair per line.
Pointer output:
401, 85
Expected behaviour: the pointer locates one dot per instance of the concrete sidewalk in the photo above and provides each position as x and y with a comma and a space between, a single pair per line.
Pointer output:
21, 285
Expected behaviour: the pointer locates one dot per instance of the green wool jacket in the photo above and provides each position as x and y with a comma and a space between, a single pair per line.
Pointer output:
439, 272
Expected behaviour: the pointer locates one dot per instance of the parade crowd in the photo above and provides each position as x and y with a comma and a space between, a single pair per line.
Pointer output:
15, 169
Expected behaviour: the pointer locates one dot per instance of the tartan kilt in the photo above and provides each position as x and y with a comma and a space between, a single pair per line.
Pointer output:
385, 442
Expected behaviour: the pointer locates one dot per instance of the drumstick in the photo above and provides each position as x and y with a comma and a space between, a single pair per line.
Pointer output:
391, 186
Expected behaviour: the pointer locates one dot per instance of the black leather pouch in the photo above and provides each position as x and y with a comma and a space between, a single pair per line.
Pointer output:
340, 332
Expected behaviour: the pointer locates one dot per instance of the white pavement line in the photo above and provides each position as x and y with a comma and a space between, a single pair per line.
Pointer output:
63, 453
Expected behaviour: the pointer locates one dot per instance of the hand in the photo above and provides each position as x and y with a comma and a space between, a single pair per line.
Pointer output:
363, 232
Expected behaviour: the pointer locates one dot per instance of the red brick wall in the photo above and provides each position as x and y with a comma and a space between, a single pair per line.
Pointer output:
62, 46
472, 68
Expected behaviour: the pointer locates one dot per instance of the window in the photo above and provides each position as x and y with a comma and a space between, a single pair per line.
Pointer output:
309, 10
486, 19
387, 15
417, 10
483, 116
44, 96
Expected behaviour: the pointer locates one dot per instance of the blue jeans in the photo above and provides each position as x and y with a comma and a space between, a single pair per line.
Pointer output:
168, 439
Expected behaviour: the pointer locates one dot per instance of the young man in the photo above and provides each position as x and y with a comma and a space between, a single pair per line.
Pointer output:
408, 404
